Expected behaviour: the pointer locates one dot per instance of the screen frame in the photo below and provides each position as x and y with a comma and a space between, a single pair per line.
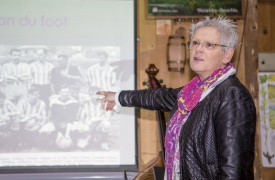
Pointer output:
80, 171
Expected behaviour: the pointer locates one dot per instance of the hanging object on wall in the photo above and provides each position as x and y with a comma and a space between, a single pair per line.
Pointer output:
163, 27
267, 115
176, 48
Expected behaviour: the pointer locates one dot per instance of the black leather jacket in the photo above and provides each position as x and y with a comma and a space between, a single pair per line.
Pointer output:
217, 140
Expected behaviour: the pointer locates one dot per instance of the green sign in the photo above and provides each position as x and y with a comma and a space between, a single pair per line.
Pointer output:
189, 8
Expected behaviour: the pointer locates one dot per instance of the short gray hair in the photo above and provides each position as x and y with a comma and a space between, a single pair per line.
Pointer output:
226, 27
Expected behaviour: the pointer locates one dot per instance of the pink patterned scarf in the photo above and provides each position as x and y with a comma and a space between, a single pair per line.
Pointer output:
188, 98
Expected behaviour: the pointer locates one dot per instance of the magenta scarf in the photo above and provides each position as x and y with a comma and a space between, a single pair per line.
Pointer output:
188, 98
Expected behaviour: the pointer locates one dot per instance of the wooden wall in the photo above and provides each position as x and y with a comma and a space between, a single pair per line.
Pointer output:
266, 43
259, 36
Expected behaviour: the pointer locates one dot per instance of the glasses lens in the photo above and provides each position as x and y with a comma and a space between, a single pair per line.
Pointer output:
195, 43
208, 45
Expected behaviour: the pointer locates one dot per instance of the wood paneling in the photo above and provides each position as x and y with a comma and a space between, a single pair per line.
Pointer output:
251, 66
266, 43
266, 26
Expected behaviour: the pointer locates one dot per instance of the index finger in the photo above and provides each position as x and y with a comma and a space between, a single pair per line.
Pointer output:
100, 93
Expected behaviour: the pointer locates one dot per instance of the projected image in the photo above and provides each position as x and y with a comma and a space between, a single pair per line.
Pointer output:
48, 101
54, 57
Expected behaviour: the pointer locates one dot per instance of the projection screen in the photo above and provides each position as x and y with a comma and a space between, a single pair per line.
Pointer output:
55, 55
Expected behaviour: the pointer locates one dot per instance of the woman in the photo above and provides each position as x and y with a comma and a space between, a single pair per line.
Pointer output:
211, 128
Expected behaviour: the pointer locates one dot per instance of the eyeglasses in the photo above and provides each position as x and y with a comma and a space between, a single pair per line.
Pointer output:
207, 45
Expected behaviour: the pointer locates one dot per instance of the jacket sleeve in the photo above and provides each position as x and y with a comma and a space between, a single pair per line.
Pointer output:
235, 127
153, 99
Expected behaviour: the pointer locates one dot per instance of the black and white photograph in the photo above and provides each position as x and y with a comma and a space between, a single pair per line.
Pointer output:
50, 93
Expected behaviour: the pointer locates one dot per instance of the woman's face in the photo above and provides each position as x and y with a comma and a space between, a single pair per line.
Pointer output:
204, 61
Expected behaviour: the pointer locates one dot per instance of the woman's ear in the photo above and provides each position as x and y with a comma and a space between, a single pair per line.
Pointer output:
228, 55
